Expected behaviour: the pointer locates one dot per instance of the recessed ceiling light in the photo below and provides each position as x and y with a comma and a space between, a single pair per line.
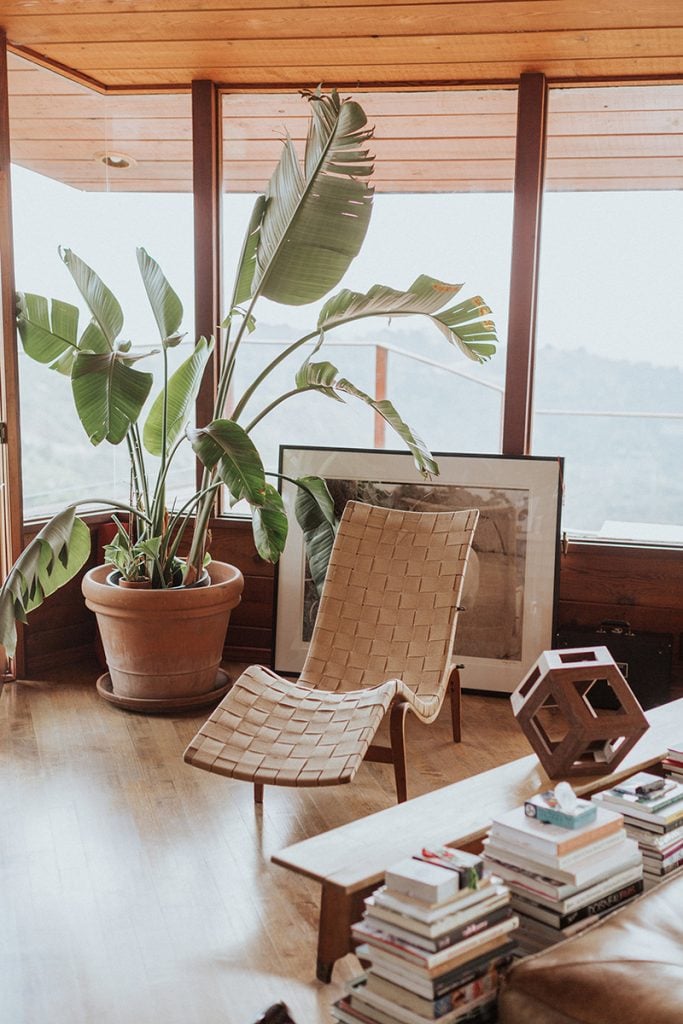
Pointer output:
119, 161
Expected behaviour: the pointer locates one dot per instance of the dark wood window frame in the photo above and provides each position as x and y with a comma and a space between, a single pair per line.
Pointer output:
207, 189
207, 138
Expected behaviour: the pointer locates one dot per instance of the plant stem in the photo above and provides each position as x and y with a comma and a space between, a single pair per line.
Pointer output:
137, 445
160, 489
275, 403
112, 503
239, 408
173, 548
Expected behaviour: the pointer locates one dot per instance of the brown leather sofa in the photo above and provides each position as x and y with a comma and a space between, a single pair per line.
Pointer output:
628, 969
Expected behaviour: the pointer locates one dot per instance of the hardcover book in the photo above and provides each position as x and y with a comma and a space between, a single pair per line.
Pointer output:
486, 980
450, 938
469, 866
442, 934
566, 861
558, 890
579, 872
669, 815
370, 1002
499, 953
590, 910
432, 912
423, 881
583, 896
517, 826
410, 958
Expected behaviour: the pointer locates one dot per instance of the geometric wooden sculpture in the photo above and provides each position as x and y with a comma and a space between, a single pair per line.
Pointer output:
570, 735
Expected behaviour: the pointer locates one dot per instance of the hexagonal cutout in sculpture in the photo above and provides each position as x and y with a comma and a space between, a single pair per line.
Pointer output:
571, 734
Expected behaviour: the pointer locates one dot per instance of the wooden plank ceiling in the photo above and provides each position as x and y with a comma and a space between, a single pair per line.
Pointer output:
138, 58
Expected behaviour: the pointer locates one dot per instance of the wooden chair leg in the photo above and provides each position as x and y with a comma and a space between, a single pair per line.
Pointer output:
258, 792
454, 690
397, 731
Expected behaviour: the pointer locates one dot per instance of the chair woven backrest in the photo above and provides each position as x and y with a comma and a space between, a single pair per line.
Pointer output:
390, 600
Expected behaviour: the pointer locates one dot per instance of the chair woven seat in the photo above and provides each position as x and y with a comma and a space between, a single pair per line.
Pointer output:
383, 637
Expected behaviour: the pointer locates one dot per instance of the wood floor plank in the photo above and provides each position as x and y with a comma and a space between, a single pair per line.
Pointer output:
138, 889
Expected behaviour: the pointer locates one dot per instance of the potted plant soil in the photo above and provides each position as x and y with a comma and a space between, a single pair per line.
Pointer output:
163, 619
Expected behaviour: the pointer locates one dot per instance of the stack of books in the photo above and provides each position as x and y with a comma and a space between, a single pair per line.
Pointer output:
673, 762
562, 877
436, 936
652, 807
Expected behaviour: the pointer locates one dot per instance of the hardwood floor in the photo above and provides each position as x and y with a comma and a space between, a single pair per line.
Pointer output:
138, 890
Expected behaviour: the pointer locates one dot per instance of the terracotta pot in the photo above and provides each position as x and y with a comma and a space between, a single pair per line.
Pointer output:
163, 644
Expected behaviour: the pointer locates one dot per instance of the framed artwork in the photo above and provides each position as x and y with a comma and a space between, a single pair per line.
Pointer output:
510, 590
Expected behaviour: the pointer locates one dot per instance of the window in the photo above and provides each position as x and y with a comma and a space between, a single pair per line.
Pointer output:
99, 175
609, 369
443, 207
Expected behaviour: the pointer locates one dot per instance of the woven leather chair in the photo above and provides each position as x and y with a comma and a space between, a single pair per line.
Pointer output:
383, 638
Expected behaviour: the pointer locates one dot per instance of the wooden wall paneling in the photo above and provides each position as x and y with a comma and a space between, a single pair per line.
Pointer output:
62, 629
11, 498
207, 176
250, 631
625, 576
643, 586
529, 172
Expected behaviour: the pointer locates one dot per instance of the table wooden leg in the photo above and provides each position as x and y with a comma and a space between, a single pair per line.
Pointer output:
338, 911
334, 930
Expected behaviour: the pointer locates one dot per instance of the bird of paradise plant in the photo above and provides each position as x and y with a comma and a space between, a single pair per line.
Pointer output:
303, 234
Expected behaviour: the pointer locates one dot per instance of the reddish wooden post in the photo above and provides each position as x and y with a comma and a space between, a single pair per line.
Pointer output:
381, 361
529, 172
11, 494
206, 174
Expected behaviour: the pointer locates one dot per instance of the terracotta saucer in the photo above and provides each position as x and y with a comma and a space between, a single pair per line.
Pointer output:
161, 705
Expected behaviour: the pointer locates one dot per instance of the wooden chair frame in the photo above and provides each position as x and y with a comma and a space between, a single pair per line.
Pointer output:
382, 643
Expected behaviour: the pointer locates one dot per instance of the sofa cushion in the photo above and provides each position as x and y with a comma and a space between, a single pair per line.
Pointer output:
626, 969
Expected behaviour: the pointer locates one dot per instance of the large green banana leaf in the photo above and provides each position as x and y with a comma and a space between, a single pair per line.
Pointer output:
101, 302
52, 558
314, 222
47, 330
183, 387
323, 377
166, 306
227, 447
109, 394
246, 268
269, 525
314, 511
462, 325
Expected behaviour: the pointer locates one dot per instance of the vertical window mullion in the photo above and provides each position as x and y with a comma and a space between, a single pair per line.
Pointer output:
207, 177
11, 517
528, 201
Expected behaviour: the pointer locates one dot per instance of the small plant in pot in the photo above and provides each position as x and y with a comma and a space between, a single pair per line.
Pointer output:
303, 234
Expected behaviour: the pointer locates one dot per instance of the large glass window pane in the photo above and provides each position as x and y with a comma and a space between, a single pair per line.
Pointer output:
609, 377
99, 175
443, 207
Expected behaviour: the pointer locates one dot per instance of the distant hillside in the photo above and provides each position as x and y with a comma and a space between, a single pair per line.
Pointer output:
616, 468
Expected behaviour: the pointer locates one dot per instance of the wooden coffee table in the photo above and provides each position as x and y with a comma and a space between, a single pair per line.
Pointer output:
349, 862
